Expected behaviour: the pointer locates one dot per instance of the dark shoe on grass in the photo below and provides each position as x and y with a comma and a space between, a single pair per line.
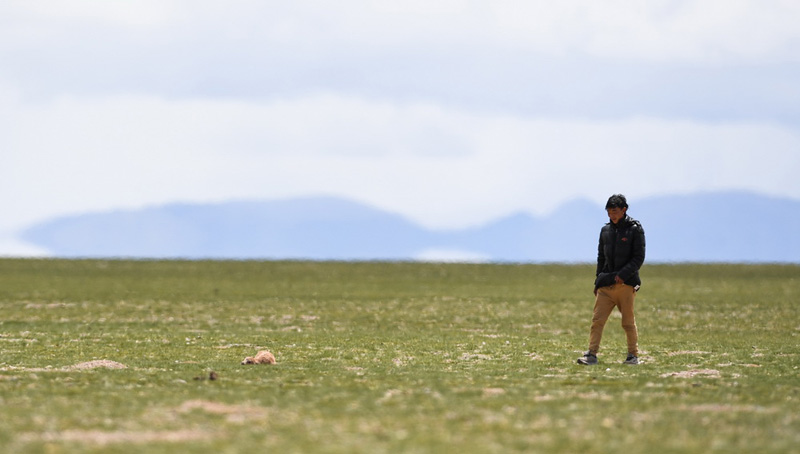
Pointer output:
588, 359
631, 360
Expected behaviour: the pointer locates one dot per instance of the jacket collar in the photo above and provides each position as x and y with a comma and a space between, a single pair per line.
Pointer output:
622, 222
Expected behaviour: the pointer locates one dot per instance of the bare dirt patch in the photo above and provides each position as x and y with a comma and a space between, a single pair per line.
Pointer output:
710, 373
96, 437
686, 352
98, 364
475, 356
491, 392
726, 408
56, 305
232, 413
226, 346
402, 361
89, 365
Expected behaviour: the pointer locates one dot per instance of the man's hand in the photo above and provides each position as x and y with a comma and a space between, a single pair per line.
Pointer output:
618, 280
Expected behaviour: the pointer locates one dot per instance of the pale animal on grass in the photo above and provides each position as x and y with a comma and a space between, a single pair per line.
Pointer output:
262, 357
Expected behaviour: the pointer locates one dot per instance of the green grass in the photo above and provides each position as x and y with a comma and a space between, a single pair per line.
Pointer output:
392, 357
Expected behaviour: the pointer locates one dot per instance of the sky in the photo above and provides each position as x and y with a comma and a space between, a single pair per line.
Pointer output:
452, 113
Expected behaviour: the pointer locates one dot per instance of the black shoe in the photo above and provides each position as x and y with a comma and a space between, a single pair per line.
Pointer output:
631, 360
588, 359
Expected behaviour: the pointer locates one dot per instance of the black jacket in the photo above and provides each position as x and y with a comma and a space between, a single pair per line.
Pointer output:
620, 253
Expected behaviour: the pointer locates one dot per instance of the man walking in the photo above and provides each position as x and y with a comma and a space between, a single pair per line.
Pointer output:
620, 254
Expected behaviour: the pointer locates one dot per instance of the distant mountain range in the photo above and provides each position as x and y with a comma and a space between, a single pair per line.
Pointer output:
708, 227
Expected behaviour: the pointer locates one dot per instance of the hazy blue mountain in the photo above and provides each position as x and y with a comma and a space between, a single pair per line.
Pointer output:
719, 227
727, 227
316, 228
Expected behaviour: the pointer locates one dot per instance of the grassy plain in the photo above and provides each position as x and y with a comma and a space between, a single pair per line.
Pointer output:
391, 357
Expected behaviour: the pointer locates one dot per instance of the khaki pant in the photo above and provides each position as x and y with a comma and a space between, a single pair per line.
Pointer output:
621, 296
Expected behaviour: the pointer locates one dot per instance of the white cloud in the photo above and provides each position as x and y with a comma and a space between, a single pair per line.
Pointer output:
10, 246
692, 31
696, 31
701, 32
441, 167
139, 13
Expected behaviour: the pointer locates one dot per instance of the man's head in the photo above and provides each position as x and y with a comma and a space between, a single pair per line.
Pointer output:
616, 207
